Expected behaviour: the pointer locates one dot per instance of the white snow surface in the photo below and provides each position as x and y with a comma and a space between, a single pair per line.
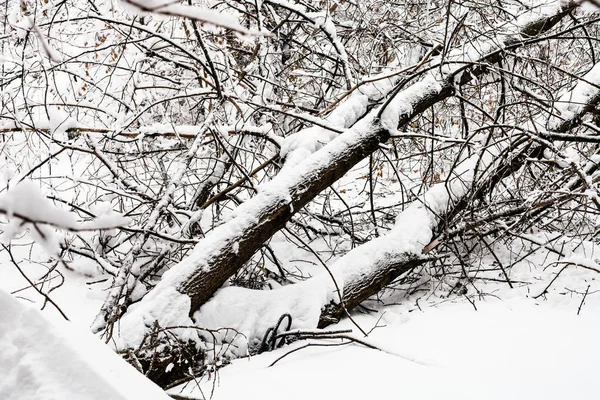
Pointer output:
252, 312
167, 306
541, 8
240, 220
302, 144
27, 200
25, 204
204, 15
298, 146
572, 102
413, 231
402, 103
56, 361
505, 350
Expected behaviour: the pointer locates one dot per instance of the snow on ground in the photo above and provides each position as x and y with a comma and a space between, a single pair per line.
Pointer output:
518, 343
252, 312
433, 345
506, 350
44, 360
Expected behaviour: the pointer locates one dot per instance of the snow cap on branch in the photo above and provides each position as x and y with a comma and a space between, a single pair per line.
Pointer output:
24, 206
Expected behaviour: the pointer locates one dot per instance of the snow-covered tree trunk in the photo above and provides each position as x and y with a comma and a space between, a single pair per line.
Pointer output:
199, 157
191, 283
363, 271
446, 199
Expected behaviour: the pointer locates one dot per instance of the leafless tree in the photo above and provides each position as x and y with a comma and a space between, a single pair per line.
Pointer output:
216, 130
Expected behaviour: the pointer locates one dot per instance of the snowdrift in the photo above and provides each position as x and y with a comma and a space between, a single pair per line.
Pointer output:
40, 359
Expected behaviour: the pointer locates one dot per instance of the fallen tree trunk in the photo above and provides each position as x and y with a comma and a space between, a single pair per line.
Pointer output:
359, 287
188, 285
365, 270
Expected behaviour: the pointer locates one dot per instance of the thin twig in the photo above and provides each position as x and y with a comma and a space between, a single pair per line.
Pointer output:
47, 297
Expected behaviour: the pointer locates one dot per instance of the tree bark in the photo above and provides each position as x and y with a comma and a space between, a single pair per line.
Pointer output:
223, 251
393, 265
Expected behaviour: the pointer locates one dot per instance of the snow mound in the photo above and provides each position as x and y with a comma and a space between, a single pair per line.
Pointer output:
301, 145
25, 204
249, 313
505, 350
40, 360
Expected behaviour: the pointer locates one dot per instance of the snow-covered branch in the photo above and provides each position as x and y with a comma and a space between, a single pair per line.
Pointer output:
188, 285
